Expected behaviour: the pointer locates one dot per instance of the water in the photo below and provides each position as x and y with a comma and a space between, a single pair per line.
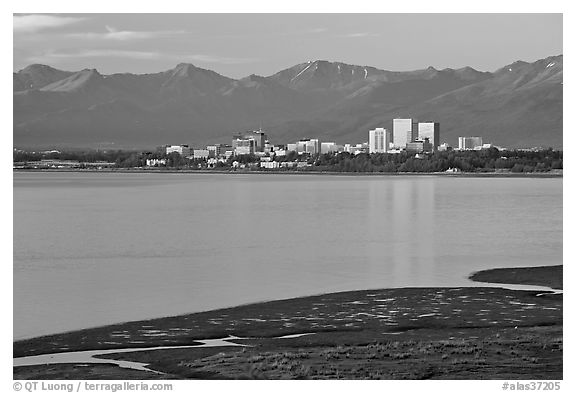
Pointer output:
97, 248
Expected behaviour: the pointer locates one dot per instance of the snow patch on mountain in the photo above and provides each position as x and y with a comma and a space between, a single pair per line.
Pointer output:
301, 72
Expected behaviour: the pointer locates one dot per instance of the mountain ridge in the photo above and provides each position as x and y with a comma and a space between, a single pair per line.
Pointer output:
332, 100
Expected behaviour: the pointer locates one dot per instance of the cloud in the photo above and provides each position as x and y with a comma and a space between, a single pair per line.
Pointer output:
315, 30
114, 34
360, 35
57, 56
35, 23
49, 57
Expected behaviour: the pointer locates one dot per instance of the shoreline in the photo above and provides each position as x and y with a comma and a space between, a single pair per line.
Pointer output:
556, 174
483, 278
353, 319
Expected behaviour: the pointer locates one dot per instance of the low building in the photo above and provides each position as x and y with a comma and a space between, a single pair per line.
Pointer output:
201, 154
419, 146
183, 150
469, 142
292, 147
444, 147
328, 147
308, 146
155, 162
218, 150
270, 164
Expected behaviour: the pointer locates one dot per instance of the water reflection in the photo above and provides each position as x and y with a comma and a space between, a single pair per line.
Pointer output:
87, 254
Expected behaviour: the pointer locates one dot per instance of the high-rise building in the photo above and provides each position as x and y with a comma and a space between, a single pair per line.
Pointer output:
258, 139
469, 142
430, 130
378, 140
404, 131
243, 146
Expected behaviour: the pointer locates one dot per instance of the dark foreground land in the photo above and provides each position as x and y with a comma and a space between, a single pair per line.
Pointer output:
404, 333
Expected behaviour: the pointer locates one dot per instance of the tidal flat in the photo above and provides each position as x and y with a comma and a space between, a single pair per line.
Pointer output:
398, 333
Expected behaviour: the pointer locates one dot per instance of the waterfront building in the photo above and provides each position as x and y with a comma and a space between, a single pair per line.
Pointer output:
270, 164
404, 131
183, 150
155, 162
211, 162
378, 140
430, 130
469, 142
444, 147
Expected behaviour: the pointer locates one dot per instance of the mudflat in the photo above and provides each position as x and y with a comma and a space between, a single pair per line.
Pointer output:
399, 333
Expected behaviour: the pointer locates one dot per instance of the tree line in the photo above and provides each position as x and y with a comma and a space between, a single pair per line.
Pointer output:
487, 160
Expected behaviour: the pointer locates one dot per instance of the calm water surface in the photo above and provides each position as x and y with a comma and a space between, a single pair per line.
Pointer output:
96, 248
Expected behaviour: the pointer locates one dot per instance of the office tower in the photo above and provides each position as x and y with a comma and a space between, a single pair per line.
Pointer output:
378, 140
258, 139
430, 130
404, 131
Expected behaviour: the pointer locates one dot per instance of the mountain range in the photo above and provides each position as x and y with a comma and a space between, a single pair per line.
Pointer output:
519, 105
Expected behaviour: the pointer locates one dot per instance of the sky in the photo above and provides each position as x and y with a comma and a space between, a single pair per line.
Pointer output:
237, 45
